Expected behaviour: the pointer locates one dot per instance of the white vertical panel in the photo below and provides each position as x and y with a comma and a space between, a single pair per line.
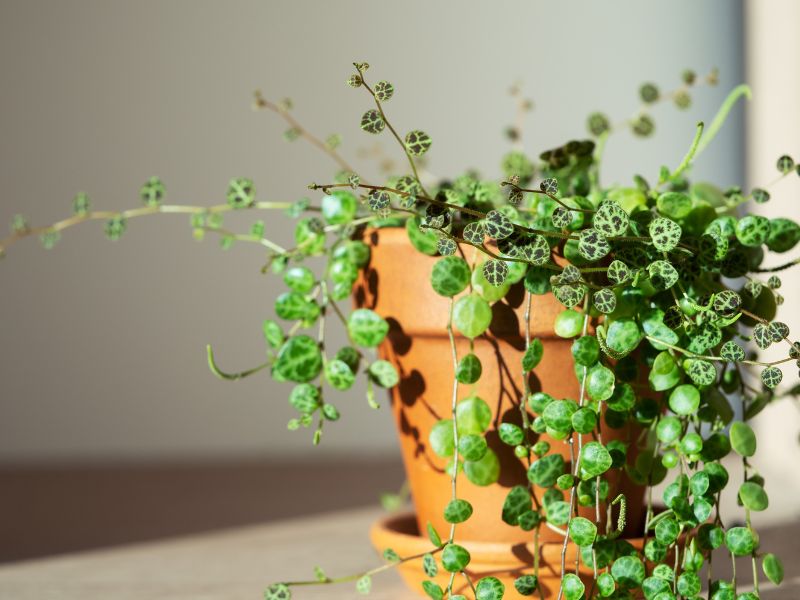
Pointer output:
773, 128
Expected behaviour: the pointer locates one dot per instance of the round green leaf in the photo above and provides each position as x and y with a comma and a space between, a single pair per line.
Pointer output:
471, 315
628, 571
623, 335
753, 496
586, 350
545, 471
752, 230
558, 415
584, 420
664, 373
485, 471
533, 355
773, 568
450, 276
594, 460
605, 584
298, 360
299, 279
526, 585
511, 434
339, 375
684, 399
572, 586
582, 531
473, 416
569, 323
339, 207
743, 440
489, 588
457, 511
304, 398
600, 383
667, 531
517, 502
740, 541
469, 369
366, 327
441, 438
674, 205
454, 558
472, 446
384, 374
425, 241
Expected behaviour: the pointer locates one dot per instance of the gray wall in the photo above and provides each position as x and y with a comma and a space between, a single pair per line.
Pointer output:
103, 343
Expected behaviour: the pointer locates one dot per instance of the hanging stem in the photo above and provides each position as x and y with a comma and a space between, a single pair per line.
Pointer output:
231, 376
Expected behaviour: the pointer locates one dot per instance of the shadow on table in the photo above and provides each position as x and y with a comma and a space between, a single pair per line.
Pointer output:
52, 510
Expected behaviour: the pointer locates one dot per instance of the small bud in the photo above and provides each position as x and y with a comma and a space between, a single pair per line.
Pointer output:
152, 192
598, 123
19, 224
785, 163
688, 76
80, 204
682, 99
648, 93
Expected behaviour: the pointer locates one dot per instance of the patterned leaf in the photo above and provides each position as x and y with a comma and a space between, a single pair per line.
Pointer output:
569, 294
753, 288
562, 217
372, 122
731, 351
611, 219
498, 225
605, 300
762, 336
384, 91
771, 376
666, 233
495, 272
445, 246
514, 196
701, 372
726, 303
712, 247
570, 274
760, 195
418, 142
549, 186
593, 245
662, 274
778, 331
378, 199
475, 232
618, 272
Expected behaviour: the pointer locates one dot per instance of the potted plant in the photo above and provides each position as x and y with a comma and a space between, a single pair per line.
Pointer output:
555, 348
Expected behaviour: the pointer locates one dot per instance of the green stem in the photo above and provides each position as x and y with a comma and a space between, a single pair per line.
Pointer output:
687, 160
231, 376
722, 114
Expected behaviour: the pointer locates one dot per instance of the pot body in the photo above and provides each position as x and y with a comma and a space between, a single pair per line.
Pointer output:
396, 286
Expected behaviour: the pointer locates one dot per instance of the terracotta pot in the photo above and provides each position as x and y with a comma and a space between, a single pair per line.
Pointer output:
395, 285
504, 561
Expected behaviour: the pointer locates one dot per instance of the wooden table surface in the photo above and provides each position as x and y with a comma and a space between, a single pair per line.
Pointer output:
237, 564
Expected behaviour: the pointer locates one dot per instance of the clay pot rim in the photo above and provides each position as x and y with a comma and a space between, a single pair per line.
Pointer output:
396, 526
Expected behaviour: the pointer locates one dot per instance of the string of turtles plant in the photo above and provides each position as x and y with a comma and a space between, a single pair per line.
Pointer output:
665, 275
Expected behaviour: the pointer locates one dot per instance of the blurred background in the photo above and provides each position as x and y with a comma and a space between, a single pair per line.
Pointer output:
112, 429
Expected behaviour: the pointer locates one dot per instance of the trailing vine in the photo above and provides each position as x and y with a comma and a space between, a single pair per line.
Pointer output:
663, 291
